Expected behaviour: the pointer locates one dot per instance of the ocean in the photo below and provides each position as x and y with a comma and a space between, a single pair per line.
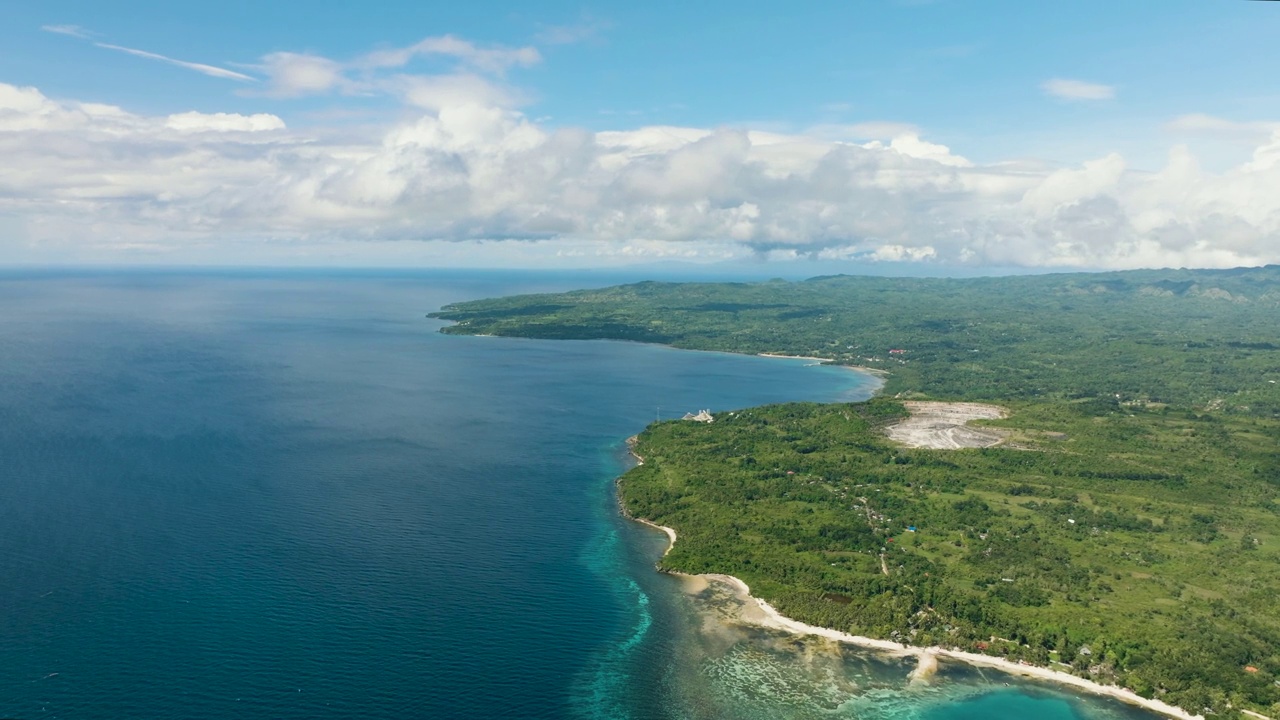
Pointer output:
286, 495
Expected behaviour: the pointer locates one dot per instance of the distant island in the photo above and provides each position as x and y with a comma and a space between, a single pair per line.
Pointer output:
1107, 504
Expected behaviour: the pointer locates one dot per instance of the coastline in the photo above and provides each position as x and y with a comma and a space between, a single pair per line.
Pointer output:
926, 656
670, 533
795, 357
878, 372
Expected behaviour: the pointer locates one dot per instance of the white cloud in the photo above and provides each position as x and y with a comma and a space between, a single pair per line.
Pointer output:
492, 60
1072, 185
1077, 90
881, 130
436, 92
298, 74
71, 30
476, 77
82, 180
223, 122
25, 108
201, 68
898, 253
911, 145
211, 70
1201, 124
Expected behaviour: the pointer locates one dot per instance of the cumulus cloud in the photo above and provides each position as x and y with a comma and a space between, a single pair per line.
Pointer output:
1077, 90
471, 168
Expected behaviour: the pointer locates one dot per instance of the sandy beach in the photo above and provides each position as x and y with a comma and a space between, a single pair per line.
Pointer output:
928, 657
795, 357
878, 372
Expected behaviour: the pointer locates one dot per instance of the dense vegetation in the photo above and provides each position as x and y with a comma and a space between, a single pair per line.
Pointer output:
1130, 530
1139, 547
1173, 336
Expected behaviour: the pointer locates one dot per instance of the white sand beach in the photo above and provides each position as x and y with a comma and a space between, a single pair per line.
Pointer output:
767, 616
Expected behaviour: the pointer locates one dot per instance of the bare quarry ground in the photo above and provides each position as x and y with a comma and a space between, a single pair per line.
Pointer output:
944, 425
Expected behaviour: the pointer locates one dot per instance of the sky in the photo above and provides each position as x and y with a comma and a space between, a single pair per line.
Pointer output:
948, 134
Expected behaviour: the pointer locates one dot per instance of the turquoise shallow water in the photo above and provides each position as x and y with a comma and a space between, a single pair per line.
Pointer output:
287, 496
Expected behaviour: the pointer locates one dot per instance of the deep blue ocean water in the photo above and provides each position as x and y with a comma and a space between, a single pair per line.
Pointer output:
286, 495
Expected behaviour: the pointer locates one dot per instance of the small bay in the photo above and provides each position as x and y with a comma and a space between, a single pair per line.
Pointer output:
286, 495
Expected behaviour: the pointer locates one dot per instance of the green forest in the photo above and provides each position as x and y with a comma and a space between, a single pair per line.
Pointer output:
1170, 336
1127, 530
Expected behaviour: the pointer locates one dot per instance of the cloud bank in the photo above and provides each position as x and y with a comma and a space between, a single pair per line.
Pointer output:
469, 168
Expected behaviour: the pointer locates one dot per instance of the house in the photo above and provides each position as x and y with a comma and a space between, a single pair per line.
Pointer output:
702, 416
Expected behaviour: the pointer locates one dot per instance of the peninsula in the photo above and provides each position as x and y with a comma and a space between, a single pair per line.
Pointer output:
1106, 504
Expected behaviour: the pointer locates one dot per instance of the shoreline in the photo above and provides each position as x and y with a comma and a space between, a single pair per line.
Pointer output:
795, 357
926, 656
669, 532
878, 372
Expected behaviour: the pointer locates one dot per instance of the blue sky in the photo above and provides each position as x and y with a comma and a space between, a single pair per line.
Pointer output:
1044, 87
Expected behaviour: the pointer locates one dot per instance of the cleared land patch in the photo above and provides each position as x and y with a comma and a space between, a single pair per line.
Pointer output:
945, 425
